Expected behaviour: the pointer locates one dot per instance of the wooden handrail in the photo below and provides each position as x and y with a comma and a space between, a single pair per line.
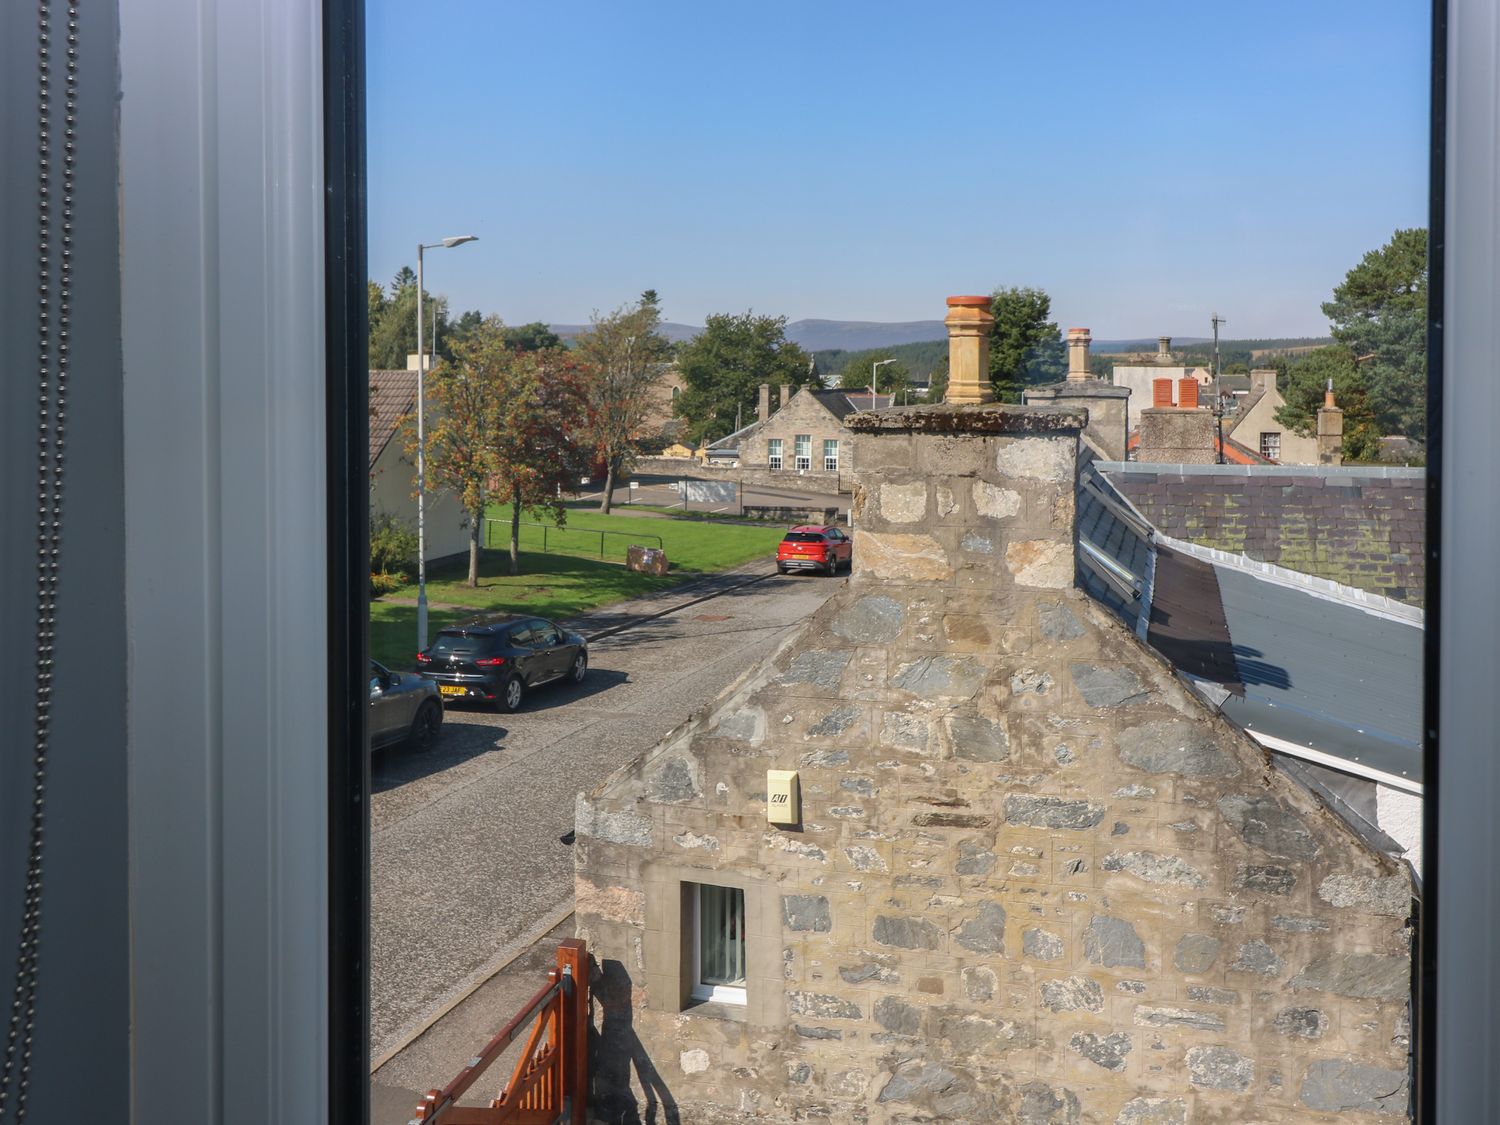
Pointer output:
550, 1083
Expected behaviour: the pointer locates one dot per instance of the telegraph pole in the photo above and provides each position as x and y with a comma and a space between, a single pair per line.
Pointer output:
1218, 392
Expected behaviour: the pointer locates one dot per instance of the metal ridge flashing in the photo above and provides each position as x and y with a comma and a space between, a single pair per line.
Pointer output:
1375, 604
1320, 472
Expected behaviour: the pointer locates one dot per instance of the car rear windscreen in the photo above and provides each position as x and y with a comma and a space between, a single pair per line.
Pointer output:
460, 644
802, 537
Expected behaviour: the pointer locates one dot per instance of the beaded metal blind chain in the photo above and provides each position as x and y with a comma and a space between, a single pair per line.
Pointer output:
52, 417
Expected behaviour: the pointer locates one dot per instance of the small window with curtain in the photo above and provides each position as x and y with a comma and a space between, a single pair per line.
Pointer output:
719, 944
831, 455
804, 452
773, 453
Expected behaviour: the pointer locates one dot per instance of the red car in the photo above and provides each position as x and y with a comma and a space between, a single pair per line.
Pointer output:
814, 547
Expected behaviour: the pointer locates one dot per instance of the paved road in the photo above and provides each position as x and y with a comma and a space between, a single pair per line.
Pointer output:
466, 865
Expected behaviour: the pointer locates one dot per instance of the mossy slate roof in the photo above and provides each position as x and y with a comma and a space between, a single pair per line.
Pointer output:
1362, 527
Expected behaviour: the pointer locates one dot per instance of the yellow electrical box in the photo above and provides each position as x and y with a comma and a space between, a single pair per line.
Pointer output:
783, 797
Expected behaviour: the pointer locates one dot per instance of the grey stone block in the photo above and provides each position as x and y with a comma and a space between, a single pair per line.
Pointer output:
985, 932
1360, 976
897, 1016
1108, 1051
1390, 895
821, 1006
1051, 812
906, 933
819, 667
835, 722
871, 620
1072, 994
1153, 1111
1105, 686
1153, 868
1259, 958
824, 759
1300, 1023
1042, 1105
1267, 878
1268, 824
1057, 623
1179, 1017
977, 739
1220, 1068
934, 676
817, 1032
671, 781
1042, 945
1174, 746
1340, 1086
1204, 995
974, 859
1196, 953
806, 913
1113, 942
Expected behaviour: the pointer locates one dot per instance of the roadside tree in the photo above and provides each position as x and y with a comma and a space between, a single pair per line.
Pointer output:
622, 357
1026, 347
1379, 313
540, 438
723, 366
1302, 388
893, 378
463, 409
393, 322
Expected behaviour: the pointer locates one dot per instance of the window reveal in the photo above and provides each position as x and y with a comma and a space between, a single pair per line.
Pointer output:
719, 944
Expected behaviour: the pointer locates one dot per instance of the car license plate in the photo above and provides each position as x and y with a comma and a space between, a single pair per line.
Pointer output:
449, 689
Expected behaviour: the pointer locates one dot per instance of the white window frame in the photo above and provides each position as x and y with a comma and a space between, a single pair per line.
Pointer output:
774, 453
1270, 444
701, 990
802, 451
831, 455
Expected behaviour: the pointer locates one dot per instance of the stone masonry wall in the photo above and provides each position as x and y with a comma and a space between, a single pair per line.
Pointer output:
1035, 880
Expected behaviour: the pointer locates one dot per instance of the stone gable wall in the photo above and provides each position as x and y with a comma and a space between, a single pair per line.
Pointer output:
1035, 879
803, 414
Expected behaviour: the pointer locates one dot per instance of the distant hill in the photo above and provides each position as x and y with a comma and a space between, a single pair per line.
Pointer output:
816, 335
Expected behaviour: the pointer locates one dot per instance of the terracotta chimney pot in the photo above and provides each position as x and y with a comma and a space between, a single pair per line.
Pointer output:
968, 323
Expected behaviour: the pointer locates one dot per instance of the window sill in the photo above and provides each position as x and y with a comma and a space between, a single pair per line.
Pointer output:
717, 1010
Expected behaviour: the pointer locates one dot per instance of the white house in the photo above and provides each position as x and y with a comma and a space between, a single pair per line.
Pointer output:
393, 475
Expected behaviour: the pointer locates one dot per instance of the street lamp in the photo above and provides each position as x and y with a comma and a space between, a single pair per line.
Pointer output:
874, 367
447, 243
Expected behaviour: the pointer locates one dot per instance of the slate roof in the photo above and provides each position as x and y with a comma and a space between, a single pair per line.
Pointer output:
1358, 526
393, 395
1322, 672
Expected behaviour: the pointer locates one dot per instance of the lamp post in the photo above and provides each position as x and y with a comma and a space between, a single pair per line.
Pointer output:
447, 243
875, 367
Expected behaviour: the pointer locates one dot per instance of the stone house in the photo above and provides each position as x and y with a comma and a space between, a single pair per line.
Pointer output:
393, 475
1255, 425
805, 443
967, 850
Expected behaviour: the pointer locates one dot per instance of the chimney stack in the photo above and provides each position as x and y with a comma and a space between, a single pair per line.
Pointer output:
968, 323
1330, 430
1164, 349
763, 407
786, 395
1078, 355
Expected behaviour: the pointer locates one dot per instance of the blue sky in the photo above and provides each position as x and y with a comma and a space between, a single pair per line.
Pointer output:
1146, 163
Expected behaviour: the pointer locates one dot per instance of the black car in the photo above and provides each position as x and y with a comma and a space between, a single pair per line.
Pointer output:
499, 659
403, 708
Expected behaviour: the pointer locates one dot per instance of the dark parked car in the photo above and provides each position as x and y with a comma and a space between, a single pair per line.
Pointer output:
499, 659
404, 707
814, 547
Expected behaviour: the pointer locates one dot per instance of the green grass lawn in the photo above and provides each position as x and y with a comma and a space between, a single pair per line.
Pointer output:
568, 580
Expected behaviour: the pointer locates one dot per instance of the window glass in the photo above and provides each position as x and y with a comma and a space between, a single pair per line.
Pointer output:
720, 929
804, 451
773, 451
460, 644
